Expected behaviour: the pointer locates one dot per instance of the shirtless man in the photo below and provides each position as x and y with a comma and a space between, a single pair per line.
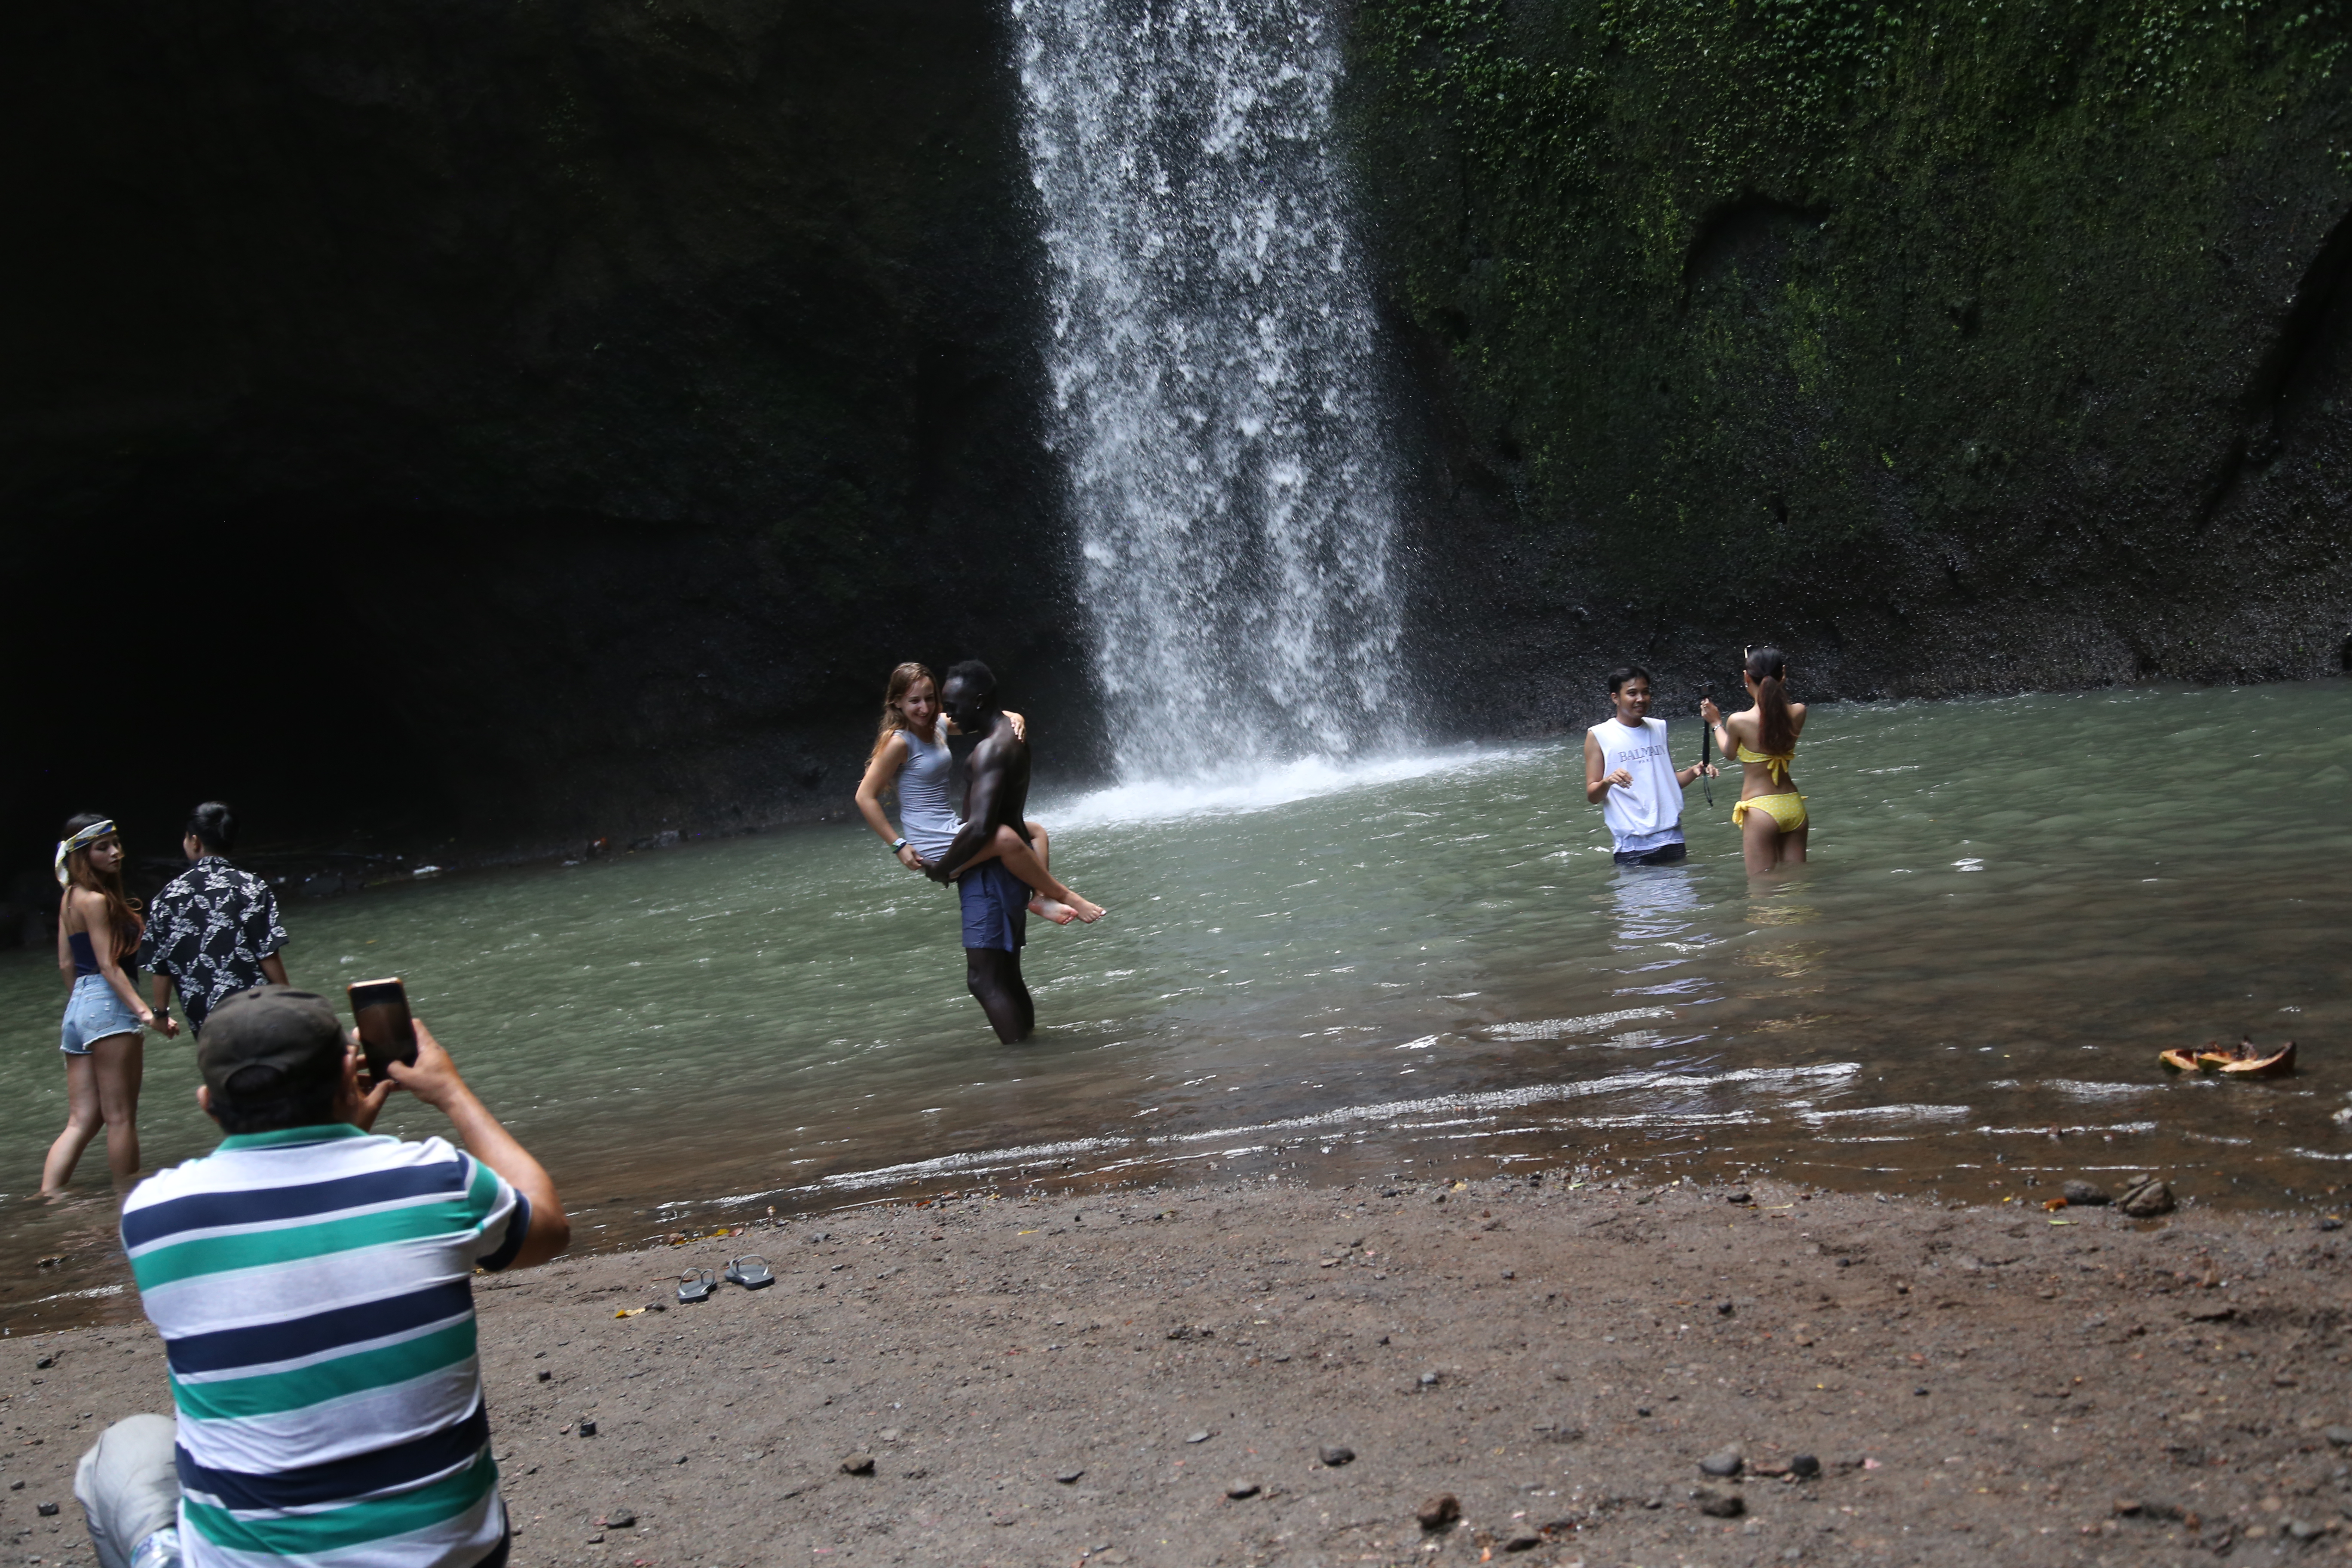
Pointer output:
995, 902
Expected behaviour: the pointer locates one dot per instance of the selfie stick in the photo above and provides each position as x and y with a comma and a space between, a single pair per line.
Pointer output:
1705, 744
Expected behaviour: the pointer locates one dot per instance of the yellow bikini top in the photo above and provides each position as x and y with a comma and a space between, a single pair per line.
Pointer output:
1775, 763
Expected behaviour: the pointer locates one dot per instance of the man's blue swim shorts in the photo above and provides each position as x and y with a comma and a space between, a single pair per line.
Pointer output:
995, 907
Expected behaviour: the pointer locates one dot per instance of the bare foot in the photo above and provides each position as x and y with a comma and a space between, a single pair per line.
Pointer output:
1053, 909
1087, 908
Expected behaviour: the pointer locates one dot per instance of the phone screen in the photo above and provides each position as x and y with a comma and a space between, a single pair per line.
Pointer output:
379, 1008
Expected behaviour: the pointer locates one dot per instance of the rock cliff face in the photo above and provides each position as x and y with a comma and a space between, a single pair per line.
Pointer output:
519, 419
1958, 345
529, 420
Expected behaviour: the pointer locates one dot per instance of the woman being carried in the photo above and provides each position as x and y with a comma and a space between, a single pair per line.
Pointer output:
1771, 813
910, 754
98, 928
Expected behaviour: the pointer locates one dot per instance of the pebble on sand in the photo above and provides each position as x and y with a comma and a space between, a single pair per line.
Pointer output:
620, 1519
1804, 1467
1200, 1436
1443, 1511
1238, 1490
2084, 1194
858, 1465
1719, 1505
46, 1509
1336, 1455
587, 1428
1069, 1476
1727, 1463
2148, 1199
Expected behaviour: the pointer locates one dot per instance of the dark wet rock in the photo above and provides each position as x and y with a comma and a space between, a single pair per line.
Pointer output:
1335, 1453
587, 1428
620, 1519
2148, 1199
1641, 1410
45, 1362
1443, 1511
858, 1465
1804, 1467
544, 1375
1727, 1463
1238, 1489
1719, 1505
2084, 1194
1725, 1308
46, 1509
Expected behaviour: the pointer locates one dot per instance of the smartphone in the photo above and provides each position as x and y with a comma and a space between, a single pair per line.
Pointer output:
387, 1033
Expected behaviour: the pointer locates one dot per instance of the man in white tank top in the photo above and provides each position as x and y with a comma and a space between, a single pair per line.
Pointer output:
1630, 774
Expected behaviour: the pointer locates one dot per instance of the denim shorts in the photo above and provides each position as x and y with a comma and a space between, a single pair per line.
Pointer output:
92, 1013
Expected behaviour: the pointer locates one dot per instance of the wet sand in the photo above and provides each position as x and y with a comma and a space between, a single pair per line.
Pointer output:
1028, 1375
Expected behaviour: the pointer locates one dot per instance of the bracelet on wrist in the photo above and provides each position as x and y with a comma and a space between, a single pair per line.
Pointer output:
897, 845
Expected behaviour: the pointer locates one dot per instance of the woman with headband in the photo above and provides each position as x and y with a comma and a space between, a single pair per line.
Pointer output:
98, 929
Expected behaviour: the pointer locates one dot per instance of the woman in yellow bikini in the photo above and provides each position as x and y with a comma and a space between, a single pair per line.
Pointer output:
1770, 814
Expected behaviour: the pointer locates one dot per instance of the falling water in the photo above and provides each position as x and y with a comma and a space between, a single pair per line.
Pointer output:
1214, 378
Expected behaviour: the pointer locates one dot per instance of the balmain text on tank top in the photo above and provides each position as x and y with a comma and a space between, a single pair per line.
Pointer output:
1648, 813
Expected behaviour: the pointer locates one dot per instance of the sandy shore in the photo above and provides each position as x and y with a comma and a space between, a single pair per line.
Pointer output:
1032, 1379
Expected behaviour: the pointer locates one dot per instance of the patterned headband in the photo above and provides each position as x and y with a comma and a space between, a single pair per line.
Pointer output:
82, 840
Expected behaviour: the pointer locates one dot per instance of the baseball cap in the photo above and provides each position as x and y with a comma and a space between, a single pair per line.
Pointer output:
272, 1026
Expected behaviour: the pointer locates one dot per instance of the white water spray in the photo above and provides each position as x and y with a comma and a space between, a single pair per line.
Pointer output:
1214, 382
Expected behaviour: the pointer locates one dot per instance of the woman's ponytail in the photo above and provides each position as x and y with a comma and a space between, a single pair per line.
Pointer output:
1776, 726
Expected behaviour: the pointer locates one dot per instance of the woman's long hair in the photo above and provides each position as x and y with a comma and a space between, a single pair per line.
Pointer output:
902, 680
121, 908
1776, 726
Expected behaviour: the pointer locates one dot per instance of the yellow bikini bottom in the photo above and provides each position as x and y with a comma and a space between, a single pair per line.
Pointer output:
1787, 810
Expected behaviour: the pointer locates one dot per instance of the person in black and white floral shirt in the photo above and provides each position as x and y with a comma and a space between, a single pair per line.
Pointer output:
214, 930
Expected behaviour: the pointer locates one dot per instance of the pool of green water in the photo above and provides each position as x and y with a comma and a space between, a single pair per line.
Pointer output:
1426, 967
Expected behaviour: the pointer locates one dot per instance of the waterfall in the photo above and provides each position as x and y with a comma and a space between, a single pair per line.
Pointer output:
1216, 399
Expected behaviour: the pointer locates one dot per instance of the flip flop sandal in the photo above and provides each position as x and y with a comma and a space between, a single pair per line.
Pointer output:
697, 1287
751, 1272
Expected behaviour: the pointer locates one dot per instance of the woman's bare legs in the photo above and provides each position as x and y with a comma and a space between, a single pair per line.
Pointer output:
1759, 841
82, 1123
121, 1064
1792, 844
1056, 901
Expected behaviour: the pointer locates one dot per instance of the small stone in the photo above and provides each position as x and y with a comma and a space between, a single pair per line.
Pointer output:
1725, 1308
1804, 1467
1200, 1436
1238, 1490
2083, 1195
2145, 1201
587, 1428
2331, 1222
1740, 1198
620, 1519
1068, 1477
1723, 1466
1428, 1380
1336, 1455
1641, 1410
1920, 1393
1521, 1539
46, 1509
1719, 1505
45, 1362
2341, 1436
858, 1465
2127, 1508
545, 1375
2302, 1530
1443, 1511
888, 1434
597, 1539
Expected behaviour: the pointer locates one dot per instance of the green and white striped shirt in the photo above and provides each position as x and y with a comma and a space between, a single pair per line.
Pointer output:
313, 1289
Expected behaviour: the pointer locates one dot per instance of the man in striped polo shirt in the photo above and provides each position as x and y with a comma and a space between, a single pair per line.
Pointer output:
313, 1286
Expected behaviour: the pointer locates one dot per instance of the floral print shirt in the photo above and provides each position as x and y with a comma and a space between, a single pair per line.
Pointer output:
209, 929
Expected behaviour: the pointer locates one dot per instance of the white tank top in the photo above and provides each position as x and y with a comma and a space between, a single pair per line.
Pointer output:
927, 813
1653, 803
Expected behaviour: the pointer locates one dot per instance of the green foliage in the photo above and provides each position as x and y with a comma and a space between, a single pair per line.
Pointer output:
1745, 287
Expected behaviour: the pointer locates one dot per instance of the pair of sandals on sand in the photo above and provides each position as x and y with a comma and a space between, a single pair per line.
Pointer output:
752, 1272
